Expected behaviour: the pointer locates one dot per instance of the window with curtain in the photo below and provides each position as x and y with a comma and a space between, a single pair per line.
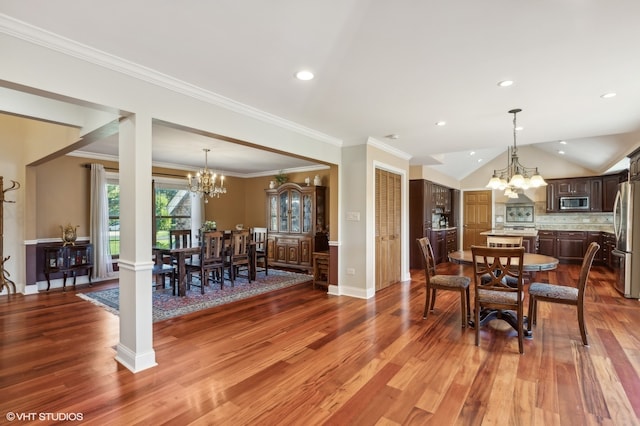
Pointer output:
113, 196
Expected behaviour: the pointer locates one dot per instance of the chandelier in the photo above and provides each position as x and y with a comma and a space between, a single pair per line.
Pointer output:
205, 181
515, 177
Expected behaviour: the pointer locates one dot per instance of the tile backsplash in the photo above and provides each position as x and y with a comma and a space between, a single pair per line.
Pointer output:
561, 221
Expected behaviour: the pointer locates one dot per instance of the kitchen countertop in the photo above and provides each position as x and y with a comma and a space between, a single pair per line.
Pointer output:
528, 232
444, 229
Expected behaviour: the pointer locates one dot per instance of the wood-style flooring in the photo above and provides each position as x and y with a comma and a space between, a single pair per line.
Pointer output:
302, 357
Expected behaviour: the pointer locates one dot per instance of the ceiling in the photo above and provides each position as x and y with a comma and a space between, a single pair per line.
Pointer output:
387, 68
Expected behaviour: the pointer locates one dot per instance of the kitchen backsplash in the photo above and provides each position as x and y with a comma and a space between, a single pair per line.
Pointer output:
561, 221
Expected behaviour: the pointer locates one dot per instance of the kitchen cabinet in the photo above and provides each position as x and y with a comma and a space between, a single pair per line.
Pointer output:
608, 245
601, 191
420, 219
547, 243
530, 244
595, 194
573, 187
597, 237
571, 245
296, 222
438, 240
634, 165
452, 242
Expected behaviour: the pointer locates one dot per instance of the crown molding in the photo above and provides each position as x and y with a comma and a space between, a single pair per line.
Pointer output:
49, 40
389, 149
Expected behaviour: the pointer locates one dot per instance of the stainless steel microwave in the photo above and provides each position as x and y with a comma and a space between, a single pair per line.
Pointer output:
574, 203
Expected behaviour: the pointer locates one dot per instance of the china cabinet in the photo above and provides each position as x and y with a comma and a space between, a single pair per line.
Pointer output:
296, 218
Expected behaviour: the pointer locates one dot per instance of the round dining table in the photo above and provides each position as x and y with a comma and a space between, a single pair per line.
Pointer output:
532, 263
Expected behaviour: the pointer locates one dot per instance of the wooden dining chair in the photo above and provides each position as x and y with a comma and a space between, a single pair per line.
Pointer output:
211, 262
260, 237
501, 241
180, 238
505, 241
239, 254
436, 282
503, 290
566, 295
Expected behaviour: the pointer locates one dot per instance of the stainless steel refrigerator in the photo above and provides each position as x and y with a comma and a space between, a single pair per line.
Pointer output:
627, 252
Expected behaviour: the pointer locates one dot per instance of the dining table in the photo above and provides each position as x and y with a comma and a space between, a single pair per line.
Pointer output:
181, 254
532, 263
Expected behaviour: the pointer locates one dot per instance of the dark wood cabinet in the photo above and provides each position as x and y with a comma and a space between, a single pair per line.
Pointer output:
601, 191
595, 194
547, 243
68, 260
420, 219
634, 165
573, 187
438, 239
452, 242
530, 244
296, 223
571, 245
552, 197
608, 245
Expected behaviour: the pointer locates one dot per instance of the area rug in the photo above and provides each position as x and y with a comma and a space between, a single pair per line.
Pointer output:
166, 306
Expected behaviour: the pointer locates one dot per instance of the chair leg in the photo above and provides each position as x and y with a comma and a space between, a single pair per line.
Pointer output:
477, 322
531, 313
468, 305
463, 310
434, 293
426, 303
583, 328
521, 329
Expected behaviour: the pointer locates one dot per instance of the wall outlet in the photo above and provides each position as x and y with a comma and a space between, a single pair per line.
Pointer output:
351, 271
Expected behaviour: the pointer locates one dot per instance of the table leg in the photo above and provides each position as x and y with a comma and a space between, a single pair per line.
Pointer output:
182, 276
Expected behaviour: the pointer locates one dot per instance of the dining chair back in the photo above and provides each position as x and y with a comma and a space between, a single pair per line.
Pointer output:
211, 263
260, 237
498, 285
506, 241
566, 295
180, 238
434, 282
239, 254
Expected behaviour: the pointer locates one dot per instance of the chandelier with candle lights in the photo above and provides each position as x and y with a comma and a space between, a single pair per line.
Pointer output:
515, 177
205, 182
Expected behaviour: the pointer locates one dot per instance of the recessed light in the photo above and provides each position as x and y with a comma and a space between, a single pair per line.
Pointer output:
304, 75
608, 95
441, 123
561, 152
479, 160
472, 153
519, 128
505, 83
563, 142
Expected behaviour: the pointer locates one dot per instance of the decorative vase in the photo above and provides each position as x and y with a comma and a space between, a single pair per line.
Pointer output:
272, 184
317, 181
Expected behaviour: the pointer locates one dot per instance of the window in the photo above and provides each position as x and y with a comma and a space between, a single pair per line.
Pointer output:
113, 196
173, 210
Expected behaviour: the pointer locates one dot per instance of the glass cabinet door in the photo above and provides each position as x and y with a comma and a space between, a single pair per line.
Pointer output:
273, 213
296, 211
307, 213
284, 212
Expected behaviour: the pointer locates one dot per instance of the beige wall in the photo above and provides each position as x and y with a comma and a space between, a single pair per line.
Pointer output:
62, 196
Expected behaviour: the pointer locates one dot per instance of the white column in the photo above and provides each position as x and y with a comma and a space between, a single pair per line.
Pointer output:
135, 349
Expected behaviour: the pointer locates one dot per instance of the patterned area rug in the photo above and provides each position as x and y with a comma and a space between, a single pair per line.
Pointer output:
166, 306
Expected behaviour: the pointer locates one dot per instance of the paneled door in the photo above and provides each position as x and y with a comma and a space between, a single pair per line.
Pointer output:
477, 217
388, 217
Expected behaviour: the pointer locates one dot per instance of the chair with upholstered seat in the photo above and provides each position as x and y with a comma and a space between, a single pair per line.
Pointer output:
498, 284
211, 262
566, 295
436, 282
260, 238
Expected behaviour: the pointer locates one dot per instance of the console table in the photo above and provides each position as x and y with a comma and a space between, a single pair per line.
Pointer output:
68, 259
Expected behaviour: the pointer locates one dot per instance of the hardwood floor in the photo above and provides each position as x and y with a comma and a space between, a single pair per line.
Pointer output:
300, 356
